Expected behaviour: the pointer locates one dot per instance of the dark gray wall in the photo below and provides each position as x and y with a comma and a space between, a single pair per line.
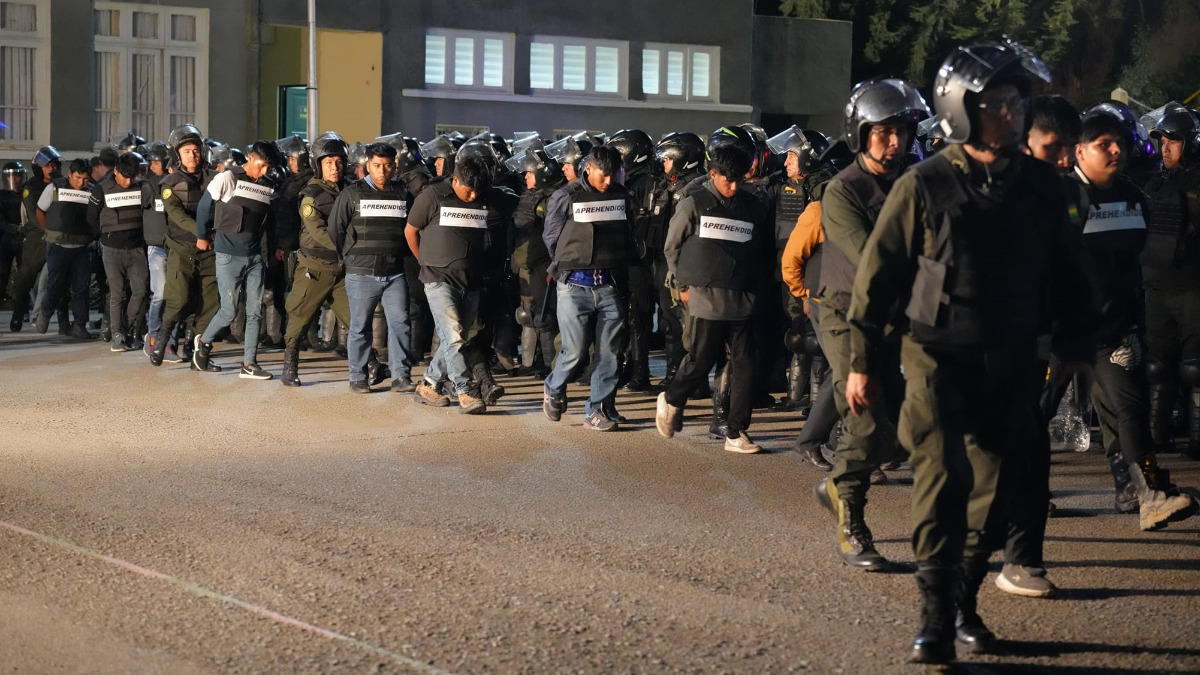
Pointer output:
71, 100
801, 67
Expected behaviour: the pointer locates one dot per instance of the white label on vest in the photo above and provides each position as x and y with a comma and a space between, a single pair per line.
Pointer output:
1112, 216
728, 229
455, 217
158, 205
382, 208
120, 200
594, 212
74, 196
258, 193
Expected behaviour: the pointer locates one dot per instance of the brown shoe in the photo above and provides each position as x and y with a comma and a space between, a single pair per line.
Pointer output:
470, 404
427, 395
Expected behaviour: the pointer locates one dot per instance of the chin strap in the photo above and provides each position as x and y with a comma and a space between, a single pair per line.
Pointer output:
888, 164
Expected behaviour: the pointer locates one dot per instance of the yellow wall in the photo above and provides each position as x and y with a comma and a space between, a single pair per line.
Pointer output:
349, 79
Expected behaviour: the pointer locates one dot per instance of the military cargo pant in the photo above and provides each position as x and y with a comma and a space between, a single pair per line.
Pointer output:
312, 285
33, 258
962, 414
869, 438
191, 287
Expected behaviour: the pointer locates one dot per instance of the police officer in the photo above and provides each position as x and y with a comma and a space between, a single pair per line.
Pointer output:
236, 207
191, 286
572, 152
681, 155
367, 225
447, 231
718, 250
1112, 212
115, 215
589, 234
1171, 270
47, 165
12, 183
281, 267
649, 231
62, 208
530, 260
974, 245
154, 231
438, 154
880, 120
791, 191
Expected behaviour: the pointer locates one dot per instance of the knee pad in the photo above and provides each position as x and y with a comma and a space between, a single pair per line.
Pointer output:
794, 341
1189, 372
522, 315
1157, 372
812, 346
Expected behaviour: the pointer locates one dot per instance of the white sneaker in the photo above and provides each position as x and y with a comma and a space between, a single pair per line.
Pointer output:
741, 444
667, 418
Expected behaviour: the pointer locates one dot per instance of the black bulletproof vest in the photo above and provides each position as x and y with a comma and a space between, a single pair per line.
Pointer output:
10, 212
790, 200
458, 239
247, 209
29, 197
1170, 224
722, 252
188, 189
323, 194
529, 250
375, 242
122, 207
597, 233
154, 218
837, 272
68, 213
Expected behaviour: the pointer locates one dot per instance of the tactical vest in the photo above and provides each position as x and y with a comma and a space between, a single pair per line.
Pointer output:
375, 242
596, 235
458, 238
122, 207
649, 226
29, 197
837, 272
1173, 240
188, 189
722, 252
10, 212
981, 274
323, 196
790, 201
529, 251
154, 218
68, 213
247, 208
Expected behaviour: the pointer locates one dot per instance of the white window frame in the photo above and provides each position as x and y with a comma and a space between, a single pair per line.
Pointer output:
125, 46
39, 40
450, 34
714, 83
590, 44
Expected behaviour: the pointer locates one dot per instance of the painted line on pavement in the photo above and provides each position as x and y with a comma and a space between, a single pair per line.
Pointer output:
207, 593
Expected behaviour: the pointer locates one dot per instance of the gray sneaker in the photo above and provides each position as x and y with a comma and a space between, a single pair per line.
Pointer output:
1030, 582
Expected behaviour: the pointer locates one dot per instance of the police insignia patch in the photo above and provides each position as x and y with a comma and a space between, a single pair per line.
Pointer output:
307, 210
167, 193
25, 193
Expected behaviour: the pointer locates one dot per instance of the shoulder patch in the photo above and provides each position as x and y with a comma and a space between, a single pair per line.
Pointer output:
167, 193
25, 193
306, 209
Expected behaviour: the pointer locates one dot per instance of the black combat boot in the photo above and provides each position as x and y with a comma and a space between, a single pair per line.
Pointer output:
668, 378
1162, 404
968, 626
377, 370
855, 544
797, 384
1126, 500
935, 639
290, 377
639, 356
159, 350
718, 429
489, 391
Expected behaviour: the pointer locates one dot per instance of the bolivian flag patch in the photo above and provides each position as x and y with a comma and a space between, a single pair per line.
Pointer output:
1073, 214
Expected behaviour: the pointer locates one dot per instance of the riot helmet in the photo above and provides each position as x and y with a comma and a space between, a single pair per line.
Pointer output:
156, 151
761, 156
14, 176
572, 150
127, 143
683, 148
131, 165
808, 144
1176, 122
523, 140
482, 150
969, 70
636, 148
408, 151
545, 169
295, 146
732, 135
47, 162
328, 144
185, 134
1138, 137
440, 147
881, 101
929, 140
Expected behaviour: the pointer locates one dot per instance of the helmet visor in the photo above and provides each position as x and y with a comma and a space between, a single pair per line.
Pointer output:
524, 162
790, 140
975, 67
438, 147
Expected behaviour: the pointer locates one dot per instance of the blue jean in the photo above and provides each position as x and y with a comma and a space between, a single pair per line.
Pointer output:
454, 311
233, 273
364, 293
578, 307
156, 258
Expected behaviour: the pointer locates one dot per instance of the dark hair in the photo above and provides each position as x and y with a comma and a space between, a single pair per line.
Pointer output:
1053, 114
379, 150
93, 162
79, 165
108, 157
606, 159
268, 152
472, 172
1099, 125
729, 161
